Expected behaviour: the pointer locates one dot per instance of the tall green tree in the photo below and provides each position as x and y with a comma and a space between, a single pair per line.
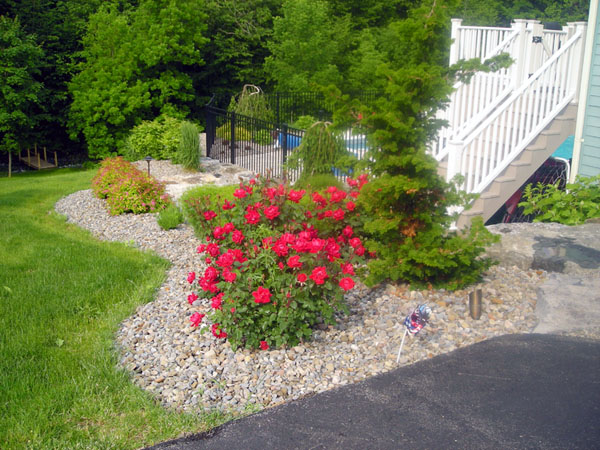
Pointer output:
58, 27
406, 202
238, 33
138, 63
308, 46
503, 12
19, 87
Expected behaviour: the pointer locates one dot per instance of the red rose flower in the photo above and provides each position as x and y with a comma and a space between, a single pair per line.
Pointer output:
225, 260
319, 274
192, 298
217, 301
359, 250
218, 233
347, 268
213, 250
338, 214
346, 283
191, 277
296, 196
354, 242
227, 205
196, 318
271, 212
252, 216
217, 332
264, 345
338, 196
294, 262
319, 200
350, 206
316, 245
211, 274
301, 278
262, 295
208, 285
240, 193
237, 236
228, 227
209, 215
348, 231
201, 248
229, 276
280, 248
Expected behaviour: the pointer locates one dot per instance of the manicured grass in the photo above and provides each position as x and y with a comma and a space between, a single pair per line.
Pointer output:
62, 296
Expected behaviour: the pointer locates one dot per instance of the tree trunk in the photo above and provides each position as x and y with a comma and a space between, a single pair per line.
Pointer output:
9, 164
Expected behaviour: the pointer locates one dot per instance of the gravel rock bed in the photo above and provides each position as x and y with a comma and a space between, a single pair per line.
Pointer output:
191, 371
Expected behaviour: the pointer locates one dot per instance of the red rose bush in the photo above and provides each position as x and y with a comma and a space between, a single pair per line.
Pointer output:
278, 262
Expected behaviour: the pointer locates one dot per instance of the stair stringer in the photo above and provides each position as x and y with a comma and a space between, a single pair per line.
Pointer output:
522, 167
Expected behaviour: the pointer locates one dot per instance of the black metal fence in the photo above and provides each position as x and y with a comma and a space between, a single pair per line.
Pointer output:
257, 145
263, 146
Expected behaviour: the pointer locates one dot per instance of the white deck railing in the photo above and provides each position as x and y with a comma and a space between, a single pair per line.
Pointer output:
494, 117
471, 102
502, 136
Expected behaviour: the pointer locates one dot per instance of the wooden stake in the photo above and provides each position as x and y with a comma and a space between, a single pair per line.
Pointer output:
9, 164
45, 157
55, 160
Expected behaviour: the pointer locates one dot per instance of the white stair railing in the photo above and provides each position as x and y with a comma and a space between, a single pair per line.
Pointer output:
502, 136
471, 102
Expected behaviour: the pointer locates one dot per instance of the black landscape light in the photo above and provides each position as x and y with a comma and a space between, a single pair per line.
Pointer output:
148, 159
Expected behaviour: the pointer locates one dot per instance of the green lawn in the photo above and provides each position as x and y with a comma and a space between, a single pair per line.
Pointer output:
62, 297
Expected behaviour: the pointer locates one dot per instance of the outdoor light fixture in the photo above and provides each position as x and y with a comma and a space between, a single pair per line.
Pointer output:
148, 159
475, 304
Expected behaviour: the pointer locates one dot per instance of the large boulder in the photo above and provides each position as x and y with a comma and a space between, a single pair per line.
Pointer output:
548, 246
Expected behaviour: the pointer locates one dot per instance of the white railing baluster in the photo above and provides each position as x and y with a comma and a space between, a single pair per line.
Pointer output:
505, 133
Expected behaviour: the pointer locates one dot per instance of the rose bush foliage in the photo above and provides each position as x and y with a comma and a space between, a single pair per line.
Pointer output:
278, 261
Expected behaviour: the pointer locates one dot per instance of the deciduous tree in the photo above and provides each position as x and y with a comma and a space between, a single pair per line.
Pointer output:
137, 64
19, 88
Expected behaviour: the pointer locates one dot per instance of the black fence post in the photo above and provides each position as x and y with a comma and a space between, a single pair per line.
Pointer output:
210, 117
284, 146
232, 143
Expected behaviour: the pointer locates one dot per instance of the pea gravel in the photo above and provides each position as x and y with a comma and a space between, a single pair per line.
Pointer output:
192, 371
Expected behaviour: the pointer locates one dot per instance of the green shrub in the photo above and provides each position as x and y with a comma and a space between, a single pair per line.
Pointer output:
110, 173
127, 189
251, 102
241, 133
318, 182
573, 206
159, 139
194, 201
261, 136
189, 146
319, 152
170, 217
304, 122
